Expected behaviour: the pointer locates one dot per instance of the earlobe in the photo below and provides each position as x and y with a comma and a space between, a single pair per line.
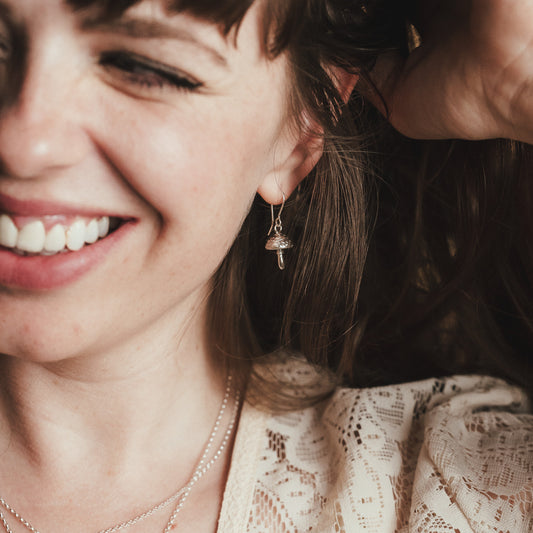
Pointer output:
285, 177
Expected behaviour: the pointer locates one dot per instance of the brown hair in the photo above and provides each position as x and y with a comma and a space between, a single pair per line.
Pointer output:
413, 259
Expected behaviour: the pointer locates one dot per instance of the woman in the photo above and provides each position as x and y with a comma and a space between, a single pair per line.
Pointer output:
136, 291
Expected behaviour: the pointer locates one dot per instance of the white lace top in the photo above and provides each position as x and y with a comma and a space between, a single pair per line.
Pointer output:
448, 455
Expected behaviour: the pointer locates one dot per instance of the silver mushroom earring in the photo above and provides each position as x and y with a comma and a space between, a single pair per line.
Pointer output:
278, 242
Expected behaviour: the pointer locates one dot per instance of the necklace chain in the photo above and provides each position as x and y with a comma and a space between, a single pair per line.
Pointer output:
181, 495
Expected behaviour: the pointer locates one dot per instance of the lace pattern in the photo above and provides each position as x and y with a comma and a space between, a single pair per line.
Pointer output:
444, 455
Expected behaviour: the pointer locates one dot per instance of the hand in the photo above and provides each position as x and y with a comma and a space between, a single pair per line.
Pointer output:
472, 77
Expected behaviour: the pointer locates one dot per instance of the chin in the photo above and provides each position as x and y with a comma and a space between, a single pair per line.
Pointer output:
40, 335
37, 349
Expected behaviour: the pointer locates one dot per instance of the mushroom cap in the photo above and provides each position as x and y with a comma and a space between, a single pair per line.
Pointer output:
278, 242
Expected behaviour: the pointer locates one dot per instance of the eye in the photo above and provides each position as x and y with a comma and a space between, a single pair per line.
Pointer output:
145, 72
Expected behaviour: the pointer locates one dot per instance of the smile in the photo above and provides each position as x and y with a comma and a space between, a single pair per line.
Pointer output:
49, 235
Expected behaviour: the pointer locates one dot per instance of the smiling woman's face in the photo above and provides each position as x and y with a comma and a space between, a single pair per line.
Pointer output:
155, 120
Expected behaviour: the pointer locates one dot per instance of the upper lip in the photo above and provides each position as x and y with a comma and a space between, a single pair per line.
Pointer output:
38, 208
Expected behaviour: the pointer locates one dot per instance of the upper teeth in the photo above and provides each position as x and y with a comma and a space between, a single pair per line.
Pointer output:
34, 238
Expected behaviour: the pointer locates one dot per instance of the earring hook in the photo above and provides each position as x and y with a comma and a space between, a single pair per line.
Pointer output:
276, 222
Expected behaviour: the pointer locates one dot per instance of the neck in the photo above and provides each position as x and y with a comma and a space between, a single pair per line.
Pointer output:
110, 410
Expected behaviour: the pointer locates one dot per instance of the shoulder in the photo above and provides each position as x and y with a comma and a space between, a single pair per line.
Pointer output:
435, 455
452, 454
475, 468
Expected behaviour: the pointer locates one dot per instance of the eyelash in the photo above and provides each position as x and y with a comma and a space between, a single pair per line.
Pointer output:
146, 73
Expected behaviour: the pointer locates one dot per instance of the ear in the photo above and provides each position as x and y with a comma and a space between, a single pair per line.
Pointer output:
301, 150
298, 158
344, 81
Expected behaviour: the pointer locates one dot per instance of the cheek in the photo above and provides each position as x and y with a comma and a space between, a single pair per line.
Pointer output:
195, 170
190, 163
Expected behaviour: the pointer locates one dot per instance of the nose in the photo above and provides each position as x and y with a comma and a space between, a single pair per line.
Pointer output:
40, 130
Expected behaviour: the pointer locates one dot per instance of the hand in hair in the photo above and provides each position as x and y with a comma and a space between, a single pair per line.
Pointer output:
472, 75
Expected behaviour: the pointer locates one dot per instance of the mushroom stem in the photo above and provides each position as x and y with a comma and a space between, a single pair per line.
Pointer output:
281, 262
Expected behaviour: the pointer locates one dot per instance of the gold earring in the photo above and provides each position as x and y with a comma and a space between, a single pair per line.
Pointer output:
278, 242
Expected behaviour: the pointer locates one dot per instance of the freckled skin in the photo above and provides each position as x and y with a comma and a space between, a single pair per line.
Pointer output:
185, 165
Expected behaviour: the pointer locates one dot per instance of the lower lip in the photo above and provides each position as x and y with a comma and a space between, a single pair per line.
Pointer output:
49, 272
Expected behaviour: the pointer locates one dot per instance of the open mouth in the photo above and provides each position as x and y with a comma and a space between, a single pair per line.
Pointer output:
51, 235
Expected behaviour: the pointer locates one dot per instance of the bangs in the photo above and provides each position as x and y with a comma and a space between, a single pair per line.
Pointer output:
225, 13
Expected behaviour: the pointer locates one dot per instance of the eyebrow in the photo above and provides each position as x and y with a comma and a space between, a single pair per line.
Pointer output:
150, 29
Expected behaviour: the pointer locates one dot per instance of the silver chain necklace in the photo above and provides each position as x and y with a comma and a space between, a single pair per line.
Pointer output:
181, 495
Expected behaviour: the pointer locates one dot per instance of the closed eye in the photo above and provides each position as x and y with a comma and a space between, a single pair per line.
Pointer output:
145, 72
